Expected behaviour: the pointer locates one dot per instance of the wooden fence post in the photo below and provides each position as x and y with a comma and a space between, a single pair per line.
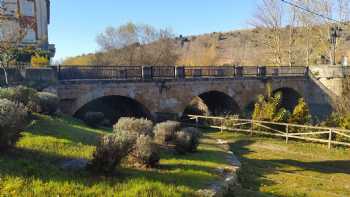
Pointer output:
287, 134
251, 128
330, 139
222, 125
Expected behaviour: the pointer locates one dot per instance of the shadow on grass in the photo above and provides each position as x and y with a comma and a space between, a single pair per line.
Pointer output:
253, 172
211, 156
64, 128
46, 167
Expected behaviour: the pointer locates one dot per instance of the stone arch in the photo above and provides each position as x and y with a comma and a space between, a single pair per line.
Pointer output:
290, 97
113, 107
249, 109
212, 103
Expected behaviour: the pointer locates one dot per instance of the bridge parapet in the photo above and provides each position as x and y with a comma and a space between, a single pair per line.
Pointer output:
173, 72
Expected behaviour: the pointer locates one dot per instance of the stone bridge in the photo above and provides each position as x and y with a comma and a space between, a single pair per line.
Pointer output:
169, 96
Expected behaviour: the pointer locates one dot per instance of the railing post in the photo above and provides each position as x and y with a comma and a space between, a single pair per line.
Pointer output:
251, 128
307, 71
287, 134
262, 71
59, 72
179, 72
147, 72
239, 71
234, 71
330, 139
222, 125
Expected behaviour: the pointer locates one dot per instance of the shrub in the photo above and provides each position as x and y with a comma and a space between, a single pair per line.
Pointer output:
135, 126
187, 140
182, 142
195, 136
48, 102
109, 153
39, 61
268, 109
146, 152
338, 120
21, 94
334, 120
13, 119
93, 118
231, 121
164, 132
301, 113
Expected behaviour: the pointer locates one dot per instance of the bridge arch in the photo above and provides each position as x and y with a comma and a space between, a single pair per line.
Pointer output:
113, 107
212, 103
290, 97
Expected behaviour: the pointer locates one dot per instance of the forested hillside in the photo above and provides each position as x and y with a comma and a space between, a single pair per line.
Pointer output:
280, 35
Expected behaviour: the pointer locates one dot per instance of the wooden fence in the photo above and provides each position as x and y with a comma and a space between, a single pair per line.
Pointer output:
327, 135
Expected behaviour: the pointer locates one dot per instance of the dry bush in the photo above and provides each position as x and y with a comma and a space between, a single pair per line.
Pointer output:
13, 119
187, 140
146, 152
135, 126
165, 132
48, 103
109, 153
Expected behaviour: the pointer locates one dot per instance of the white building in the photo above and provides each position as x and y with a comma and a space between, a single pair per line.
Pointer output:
31, 15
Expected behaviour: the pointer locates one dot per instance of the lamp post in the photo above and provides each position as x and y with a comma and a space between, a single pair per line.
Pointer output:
335, 33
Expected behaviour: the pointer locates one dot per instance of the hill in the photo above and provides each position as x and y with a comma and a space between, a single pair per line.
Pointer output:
245, 47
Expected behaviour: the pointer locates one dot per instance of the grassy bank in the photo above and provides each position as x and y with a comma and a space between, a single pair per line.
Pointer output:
34, 166
273, 168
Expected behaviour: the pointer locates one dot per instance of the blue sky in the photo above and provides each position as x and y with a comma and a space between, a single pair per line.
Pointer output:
76, 23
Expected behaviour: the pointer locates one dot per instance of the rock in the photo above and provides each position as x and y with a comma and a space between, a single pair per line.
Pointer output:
220, 171
206, 193
74, 164
230, 181
221, 142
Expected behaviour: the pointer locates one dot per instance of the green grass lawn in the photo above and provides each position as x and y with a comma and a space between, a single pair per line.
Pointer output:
33, 167
272, 168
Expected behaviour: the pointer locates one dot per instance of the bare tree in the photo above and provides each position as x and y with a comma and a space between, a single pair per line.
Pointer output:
316, 29
132, 44
292, 27
269, 17
12, 33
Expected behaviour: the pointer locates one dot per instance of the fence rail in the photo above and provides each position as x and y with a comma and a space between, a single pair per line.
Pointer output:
327, 135
173, 72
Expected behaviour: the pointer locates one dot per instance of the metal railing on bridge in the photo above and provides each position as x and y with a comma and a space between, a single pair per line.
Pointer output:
173, 72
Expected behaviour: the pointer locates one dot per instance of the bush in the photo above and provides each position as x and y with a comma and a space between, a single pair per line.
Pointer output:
93, 118
48, 102
301, 113
165, 132
340, 121
39, 61
146, 152
268, 109
135, 126
13, 119
21, 94
109, 153
231, 121
187, 140
182, 142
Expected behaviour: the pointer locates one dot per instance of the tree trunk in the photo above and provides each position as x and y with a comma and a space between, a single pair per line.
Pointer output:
5, 74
